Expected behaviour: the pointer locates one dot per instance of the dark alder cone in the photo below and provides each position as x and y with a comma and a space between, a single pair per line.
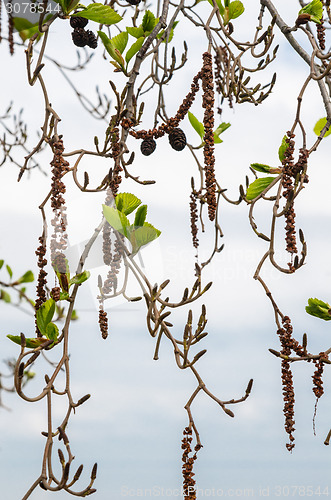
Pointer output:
148, 146
80, 37
78, 22
92, 40
133, 2
177, 139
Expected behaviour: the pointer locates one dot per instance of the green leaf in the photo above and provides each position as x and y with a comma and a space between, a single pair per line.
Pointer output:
171, 34
80, 278
111, 49
134, 49
136, 32
198, 126
20, 23
140, 216
282, 148
149, 21
102, 14
222, 128
27, 277
236, 8
74, 315
319, 309
30, 343
52, 332
120, 41
9, 270
127, 202
318, 128
219, 4
117, 220
257, 187
5, 296
1, 263
314, 9
260, 167
142, 236
64, 295
45, 315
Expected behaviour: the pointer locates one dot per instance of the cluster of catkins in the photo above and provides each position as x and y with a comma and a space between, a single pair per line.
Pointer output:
80, 36
188, 463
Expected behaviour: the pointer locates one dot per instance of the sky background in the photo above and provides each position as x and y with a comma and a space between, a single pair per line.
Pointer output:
132, 425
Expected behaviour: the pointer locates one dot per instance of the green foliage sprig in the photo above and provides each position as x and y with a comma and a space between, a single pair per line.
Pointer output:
140, 233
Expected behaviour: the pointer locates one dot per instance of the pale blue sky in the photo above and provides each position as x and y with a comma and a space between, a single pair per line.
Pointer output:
132, 426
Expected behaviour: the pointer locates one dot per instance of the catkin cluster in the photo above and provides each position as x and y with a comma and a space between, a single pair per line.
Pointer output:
188, 463
59, 221
288, 172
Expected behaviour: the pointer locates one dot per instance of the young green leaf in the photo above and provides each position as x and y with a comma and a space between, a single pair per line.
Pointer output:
102, 14
319, 309
74, 315
120, 41
236, 8
142, 236
314, 9
9, 270
45, 315
134, 49
222, 128
171, 34
117, 220
5, 296
198, 126
136, 32
257, 187
140, 216
52, 332
31, 343
319, 127
219, 5
1, 263
149, 21
260, 167
111, 49
80, 278
282, 148
127, 202
27, 277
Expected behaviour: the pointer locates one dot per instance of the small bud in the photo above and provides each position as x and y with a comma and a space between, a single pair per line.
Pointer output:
96, 140
302, 19
66, 472
86, 180
207, 287
249, 386
83, 399
304, 341
42, 486
21, 370
229, 412
94, 471
199, 355
61, 456
275, 353
327, 440
164, 284
78, 473
185, 294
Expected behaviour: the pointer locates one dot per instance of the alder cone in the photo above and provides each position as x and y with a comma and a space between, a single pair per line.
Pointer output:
80, 37
78, 22
92, 40
148, 146
177, 139
133, 2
